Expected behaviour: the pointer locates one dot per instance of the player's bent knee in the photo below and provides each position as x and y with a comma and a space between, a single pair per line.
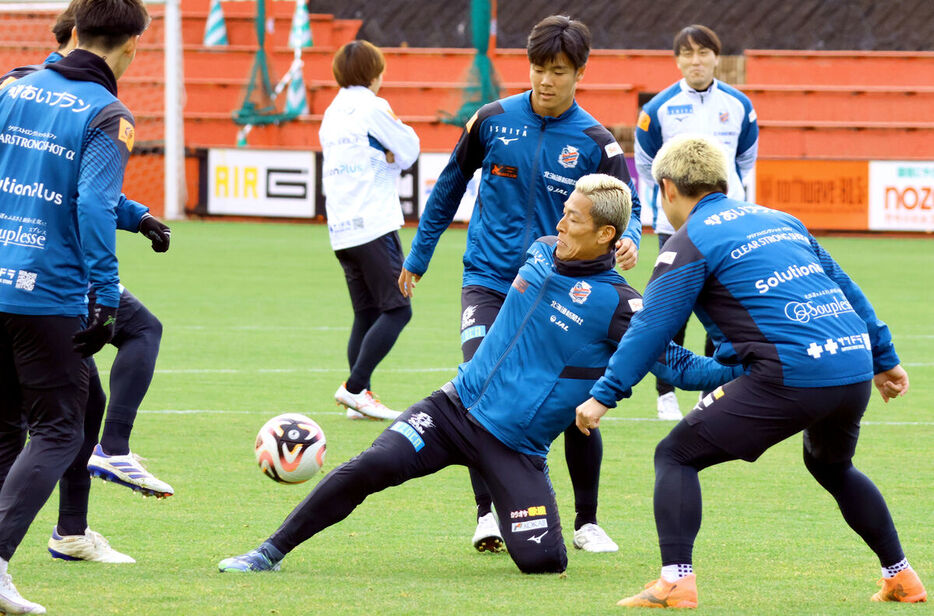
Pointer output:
827, 474
552, 561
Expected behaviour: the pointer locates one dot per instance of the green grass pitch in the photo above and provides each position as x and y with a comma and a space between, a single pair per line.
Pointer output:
256, 318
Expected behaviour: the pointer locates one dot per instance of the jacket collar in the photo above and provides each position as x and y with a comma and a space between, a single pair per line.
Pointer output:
576, 269
691, 91
81, 65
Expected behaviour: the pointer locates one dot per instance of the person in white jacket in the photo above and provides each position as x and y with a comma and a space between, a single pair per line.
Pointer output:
365, 148
696, 104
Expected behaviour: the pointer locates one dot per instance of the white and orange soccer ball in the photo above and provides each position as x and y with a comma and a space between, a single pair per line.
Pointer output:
290, 448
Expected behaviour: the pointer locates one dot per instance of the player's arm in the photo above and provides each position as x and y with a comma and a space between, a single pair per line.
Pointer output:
100, 179
747, 147
445, 198
691, 372
394, 135
667, 304
884, 357
129, 214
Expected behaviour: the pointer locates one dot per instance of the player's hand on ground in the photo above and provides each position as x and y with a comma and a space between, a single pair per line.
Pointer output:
627, 255
589, 414
407, 282
891, 383
156, 231
100, 330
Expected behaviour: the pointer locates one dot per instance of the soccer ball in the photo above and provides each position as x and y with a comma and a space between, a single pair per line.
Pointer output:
290, 448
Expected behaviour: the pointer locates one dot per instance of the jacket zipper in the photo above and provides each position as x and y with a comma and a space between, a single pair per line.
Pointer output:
515, 338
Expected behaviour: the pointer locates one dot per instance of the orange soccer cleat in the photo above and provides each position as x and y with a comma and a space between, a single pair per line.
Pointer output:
660, 593
906, 587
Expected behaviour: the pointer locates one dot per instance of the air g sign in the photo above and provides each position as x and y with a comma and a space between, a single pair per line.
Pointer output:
261, 183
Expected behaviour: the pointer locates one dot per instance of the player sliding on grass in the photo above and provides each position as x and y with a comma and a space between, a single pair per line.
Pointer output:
811, 343
562, 318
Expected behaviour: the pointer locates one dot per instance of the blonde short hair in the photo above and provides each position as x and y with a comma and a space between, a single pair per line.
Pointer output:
695, 163
611, 199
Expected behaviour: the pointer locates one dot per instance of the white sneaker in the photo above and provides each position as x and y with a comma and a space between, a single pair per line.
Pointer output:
668, 408
592, 538
365, 403
352, 414
90, 546
127, 471
11, 602
487, 537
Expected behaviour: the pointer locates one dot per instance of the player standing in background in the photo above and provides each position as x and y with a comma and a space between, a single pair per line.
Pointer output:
62, 184
697, 104
811, 343
561, 320
532, 148
365, 148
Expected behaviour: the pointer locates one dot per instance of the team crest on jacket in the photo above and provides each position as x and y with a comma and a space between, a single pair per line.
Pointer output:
568, 157
724, 117
580, 292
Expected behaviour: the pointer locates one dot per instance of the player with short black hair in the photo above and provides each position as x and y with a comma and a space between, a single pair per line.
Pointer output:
60, 207
811, 343
702, 104
531, 149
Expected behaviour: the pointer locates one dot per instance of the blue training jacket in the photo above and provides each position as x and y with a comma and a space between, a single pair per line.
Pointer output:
129, 213
530, 165
551, 341
64, 145
757, 279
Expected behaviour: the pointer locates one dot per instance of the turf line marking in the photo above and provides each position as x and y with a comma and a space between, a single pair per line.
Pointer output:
341, 414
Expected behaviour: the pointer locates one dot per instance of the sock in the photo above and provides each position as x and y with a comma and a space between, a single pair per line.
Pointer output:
585, 516
271, 552
673, 573
892, 570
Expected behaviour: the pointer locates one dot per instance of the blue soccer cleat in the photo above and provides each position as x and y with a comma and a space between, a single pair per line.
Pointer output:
254, 560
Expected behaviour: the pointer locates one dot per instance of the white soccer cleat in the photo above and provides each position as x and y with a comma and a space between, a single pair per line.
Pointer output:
592, 538
487, 537
11, 602
365, 403
668, 409
352, 414
127, 471
91, 546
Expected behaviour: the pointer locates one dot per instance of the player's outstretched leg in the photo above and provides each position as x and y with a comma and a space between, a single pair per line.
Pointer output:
137, 338
127, 470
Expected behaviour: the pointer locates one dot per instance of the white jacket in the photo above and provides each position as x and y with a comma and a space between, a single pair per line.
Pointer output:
361, 195
721, 112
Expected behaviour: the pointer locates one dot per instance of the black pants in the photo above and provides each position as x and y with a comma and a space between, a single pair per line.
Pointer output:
137, 335
741, 420
431, 435
583, 454
44, 381
380, 310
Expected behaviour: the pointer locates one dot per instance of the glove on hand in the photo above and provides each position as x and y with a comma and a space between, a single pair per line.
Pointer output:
100, 330
158, 232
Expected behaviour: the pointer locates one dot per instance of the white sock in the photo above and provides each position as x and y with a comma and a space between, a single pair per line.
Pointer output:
892, 570
673, 573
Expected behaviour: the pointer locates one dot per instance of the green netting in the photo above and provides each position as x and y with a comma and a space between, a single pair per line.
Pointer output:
259, 100
482, 86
